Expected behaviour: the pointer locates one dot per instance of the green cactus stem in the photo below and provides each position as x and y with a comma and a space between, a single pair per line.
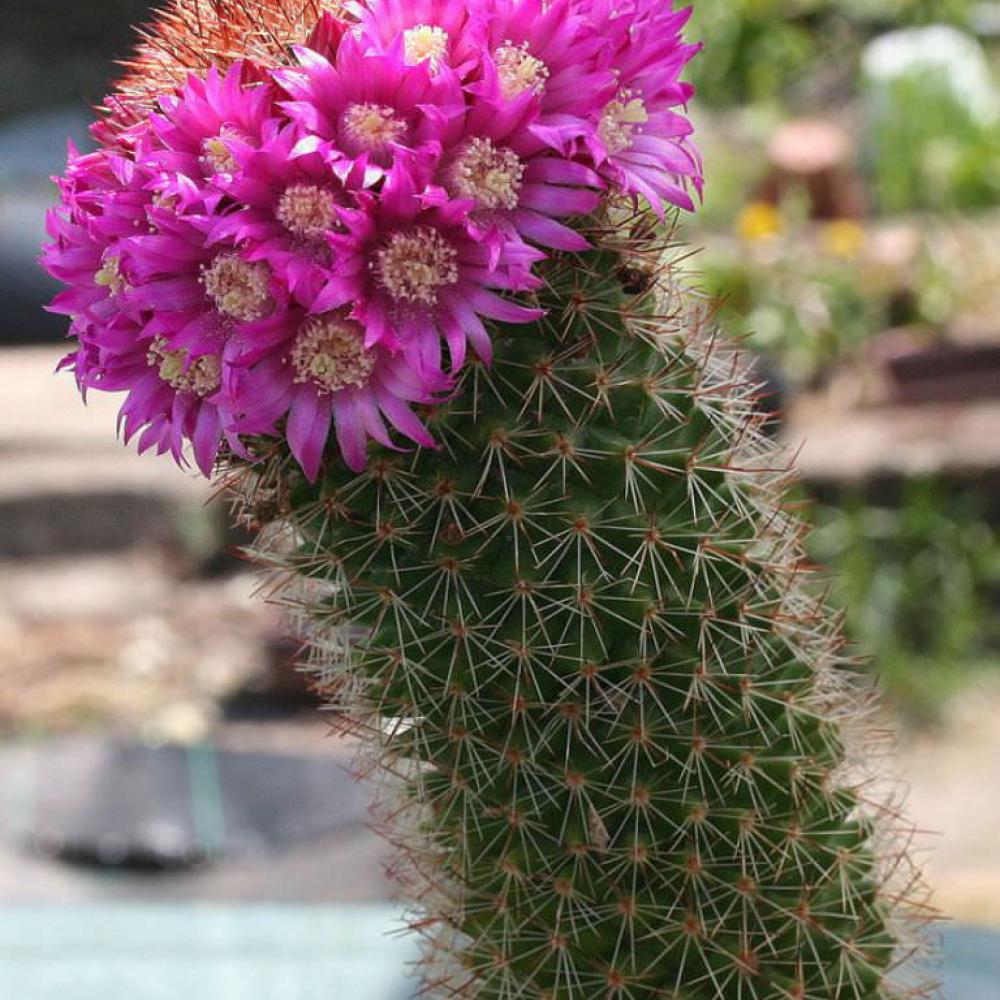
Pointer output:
616, 731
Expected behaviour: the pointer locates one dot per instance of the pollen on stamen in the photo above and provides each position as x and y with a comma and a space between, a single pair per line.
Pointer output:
370, 128
239, 288
519, 70
307, 209
216, 156
110, 275
425, 43
415, 264
330, 352
620, 120
489, 174
201, 375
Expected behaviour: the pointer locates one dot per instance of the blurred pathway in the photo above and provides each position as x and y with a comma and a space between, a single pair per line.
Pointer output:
954, 776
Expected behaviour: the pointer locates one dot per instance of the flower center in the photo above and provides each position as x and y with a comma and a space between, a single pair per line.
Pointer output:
215, 155
110, 275
330, 352
201, 375
425, 43
238, 287
490, 175
519, 70
415, 264
370, 128
620, 120
307, 210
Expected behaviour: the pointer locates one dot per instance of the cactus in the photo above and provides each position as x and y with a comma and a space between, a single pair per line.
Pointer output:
619, 747
610, 716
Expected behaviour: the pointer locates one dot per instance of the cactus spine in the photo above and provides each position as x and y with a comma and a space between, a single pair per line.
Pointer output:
614, 725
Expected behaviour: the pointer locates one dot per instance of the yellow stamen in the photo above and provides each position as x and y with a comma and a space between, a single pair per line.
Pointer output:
200, 375
330, 353
240, 288
425, 43
519, 70
490, 175
415, 264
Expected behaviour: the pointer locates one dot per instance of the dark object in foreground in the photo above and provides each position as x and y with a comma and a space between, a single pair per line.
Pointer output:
143, 808
946, 373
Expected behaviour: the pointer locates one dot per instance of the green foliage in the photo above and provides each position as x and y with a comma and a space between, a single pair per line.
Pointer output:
606, 708
806, 310
761, 49
927, 150
921, 582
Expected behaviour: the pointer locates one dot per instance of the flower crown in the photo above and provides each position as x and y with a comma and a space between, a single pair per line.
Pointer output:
271, 250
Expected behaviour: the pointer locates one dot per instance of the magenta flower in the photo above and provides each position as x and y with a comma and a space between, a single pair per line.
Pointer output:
315, 370
518, 185
358, 111
289, 250
435, 32
283, 206
203, 126
197, 291
104, 200
640, 143
172, 393
152, 310
548, 50
416, 276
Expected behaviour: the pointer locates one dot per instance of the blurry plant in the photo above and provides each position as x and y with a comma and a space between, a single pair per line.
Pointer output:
761, 48
806, 300
757, 46
933, 130
759, 220
921, 582
812, 296
733, 143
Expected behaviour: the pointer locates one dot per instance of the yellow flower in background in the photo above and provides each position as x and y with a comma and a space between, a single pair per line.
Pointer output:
760, 220
843, 238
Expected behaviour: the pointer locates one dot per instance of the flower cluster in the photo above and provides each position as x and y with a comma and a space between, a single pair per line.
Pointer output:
278, 250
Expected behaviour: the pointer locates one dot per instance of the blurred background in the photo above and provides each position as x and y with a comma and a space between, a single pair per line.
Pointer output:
173, 819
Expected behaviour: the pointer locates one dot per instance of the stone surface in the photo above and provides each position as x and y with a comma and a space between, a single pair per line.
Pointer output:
66, 484
283, 821
50, 441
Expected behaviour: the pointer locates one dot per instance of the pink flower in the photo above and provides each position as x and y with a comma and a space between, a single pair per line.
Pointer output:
435, 32
103, 200
203, 126
417, 277
284, 205
173, 392
360, 110
173, 395
546, 49
314, 371
286, 250
152, 304
640, 143
518, 185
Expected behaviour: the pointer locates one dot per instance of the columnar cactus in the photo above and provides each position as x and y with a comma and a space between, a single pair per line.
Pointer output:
569, 619
579, 643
